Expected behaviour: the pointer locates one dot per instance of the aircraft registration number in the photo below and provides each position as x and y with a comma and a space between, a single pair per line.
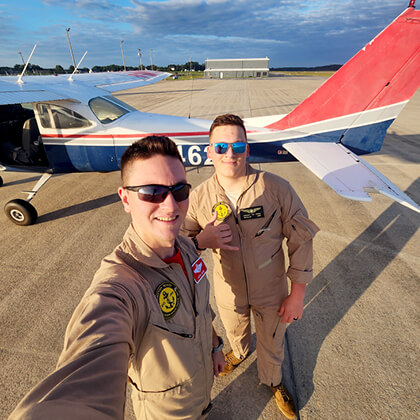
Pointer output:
194, 155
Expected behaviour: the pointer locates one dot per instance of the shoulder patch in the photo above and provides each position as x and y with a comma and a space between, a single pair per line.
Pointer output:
168, 297
199, 269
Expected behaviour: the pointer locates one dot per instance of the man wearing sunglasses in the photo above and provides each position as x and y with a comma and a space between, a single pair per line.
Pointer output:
146, 317
244, 214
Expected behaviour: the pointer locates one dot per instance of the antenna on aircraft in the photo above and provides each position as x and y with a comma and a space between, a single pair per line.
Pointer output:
20, 81
122, 53
75, 69
71, 50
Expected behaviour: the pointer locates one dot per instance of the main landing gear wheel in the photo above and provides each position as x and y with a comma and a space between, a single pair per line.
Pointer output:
1, 181
21, 212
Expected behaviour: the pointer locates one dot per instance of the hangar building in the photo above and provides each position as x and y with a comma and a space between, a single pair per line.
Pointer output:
237, 68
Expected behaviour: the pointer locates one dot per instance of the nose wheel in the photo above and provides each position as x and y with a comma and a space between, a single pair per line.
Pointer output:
21, 212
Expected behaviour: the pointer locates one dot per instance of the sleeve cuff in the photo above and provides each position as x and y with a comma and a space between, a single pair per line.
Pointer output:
299, 276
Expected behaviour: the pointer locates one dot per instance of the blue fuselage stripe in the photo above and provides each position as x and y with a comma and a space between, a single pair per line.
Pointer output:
86, 158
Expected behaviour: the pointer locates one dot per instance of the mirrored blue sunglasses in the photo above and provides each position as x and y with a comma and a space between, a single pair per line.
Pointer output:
222, 148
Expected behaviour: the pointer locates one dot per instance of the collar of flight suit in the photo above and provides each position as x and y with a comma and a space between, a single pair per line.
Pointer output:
251, 178
142, 252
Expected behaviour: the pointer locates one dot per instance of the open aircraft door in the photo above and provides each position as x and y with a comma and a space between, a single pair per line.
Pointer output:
72, 141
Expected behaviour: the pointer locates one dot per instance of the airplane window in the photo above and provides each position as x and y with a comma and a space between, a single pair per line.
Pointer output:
107, 111
60, 117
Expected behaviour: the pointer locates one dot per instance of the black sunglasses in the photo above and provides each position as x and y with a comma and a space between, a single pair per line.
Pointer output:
221, 148
157, 193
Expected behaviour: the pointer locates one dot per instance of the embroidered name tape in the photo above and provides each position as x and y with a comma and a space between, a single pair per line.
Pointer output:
252, 213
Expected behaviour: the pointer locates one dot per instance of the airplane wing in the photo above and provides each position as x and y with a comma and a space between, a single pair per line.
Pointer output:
115, 81
13, 93
51, 88
346, 173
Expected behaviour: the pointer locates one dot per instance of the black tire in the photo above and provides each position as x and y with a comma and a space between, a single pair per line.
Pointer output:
21, 212
1, 181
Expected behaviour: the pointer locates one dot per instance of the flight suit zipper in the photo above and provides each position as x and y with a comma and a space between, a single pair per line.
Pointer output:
239, 230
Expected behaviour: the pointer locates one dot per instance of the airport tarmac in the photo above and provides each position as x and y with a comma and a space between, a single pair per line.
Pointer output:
355, 352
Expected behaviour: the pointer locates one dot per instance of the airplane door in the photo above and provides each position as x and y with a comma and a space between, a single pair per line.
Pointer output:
73, 142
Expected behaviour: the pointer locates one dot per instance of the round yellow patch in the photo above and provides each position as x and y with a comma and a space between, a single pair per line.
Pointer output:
168, 297
223, 210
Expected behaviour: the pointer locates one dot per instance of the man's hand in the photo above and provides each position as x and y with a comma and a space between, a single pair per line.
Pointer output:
218, 362
216, 236
292, 307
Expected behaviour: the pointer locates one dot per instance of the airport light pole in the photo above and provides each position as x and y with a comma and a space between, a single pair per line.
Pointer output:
21, 56
139, 54
122, 53
71, 50
151, 62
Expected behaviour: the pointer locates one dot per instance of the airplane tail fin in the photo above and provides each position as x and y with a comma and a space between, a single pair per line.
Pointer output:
358, 103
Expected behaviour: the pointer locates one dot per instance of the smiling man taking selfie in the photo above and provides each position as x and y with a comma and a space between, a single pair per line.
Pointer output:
145, 319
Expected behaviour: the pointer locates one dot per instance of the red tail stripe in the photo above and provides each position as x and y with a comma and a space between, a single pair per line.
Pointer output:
384, 72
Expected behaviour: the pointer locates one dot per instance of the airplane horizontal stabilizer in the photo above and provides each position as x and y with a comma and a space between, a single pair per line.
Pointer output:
346, 173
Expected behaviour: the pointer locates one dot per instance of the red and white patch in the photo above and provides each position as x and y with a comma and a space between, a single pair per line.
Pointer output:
199, 269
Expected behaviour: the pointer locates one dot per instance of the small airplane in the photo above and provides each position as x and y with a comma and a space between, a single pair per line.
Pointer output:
62, 124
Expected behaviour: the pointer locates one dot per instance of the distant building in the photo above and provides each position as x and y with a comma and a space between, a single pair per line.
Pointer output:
237, 68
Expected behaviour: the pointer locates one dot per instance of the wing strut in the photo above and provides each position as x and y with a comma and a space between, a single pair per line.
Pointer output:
75, 70
20, 81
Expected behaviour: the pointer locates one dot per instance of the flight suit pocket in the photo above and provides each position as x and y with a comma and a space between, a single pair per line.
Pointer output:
301, 226
168, 358
184, 401
266, 243
170, 326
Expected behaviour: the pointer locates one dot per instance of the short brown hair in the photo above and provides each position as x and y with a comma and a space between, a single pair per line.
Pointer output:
146, 148
227, 119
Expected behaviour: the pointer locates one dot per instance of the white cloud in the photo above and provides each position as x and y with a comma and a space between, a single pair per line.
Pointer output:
290, 32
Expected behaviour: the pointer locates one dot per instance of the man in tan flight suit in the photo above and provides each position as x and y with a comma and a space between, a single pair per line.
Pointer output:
146, 318
244, 214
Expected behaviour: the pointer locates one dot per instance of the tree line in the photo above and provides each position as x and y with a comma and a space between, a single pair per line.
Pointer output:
34, 69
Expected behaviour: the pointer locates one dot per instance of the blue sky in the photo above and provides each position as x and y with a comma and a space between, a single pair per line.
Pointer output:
289, 32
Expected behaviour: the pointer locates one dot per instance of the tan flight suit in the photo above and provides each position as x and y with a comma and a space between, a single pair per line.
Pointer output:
120, 322
254, 278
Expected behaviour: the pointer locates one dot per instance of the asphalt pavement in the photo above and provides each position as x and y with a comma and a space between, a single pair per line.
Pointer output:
355, 352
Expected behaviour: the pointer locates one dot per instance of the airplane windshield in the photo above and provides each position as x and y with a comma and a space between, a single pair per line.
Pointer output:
119, 102
107, 111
